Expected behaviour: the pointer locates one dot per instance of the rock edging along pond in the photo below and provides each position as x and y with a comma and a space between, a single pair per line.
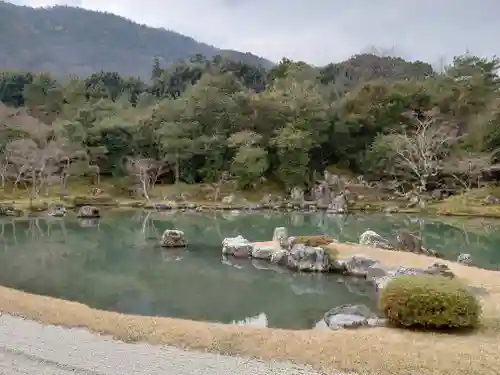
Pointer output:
319, 254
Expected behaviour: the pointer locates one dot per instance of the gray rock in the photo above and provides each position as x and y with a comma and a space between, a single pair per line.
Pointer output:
373, 239
57, 210
376, 271
263, 252
407, 241
338, 265
89, 212
440, 270
173, 238
352, 316
310, 259
465, 259
238, 247
280, 257
358, 265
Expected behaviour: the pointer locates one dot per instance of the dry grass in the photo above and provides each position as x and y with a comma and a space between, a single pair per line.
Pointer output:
469, 204
381, 351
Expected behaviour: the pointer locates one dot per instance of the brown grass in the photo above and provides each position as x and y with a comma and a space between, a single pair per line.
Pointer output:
381, 351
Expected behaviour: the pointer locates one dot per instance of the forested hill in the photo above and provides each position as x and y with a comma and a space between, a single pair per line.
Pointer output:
66, 40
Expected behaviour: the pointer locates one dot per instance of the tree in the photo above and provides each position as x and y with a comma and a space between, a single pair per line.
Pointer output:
420, 152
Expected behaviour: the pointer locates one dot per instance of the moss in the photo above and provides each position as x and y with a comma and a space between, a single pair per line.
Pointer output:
427, 301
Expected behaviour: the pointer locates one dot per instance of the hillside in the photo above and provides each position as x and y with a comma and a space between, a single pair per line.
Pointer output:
66, 40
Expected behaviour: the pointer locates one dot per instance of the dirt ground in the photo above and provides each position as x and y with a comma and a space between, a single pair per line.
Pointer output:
371, 351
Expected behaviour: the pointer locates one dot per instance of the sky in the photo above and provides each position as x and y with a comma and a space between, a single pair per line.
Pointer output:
321, 31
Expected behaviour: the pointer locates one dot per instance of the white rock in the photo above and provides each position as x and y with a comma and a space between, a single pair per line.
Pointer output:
238, 246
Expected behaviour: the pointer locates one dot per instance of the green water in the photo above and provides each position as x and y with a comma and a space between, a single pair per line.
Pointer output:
118, 266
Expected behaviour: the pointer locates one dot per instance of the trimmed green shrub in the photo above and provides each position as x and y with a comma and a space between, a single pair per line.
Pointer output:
427, 301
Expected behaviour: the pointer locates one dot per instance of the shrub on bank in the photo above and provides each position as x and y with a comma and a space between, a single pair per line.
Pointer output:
427, 301
313, 241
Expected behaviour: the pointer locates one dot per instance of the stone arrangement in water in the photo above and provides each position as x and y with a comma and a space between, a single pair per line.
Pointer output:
318, 254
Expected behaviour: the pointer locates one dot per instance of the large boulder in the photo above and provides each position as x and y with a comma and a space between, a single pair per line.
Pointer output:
173, 238
309, 259
373, 239
352, 316
238, 247
88, 212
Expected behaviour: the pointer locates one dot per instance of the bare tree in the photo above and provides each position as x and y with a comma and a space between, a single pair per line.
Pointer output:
467, 170
144, 173
422, 151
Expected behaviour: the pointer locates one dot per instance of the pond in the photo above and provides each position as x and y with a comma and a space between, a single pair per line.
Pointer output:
115, 263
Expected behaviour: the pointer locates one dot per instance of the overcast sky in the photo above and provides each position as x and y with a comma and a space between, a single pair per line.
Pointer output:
320, 31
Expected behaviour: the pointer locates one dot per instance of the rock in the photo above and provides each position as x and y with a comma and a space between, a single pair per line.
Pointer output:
373, 239
381, 282
173, 238
238, 247
352, 316
491, 200
410, 242
465, 259
311, 259
88, 212
358, 265
263, 252
229, 199
440, 269
57, 210
338, 205
280, 257
376, 271
280, 233
338, 265
163, 206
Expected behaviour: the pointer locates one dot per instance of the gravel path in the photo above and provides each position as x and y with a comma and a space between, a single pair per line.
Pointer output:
27, 347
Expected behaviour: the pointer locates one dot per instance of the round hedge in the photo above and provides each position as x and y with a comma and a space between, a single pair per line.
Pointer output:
427, 301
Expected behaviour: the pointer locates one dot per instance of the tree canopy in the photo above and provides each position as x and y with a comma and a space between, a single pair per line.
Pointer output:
200, 119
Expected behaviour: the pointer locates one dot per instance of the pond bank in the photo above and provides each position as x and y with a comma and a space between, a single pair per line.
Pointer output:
377, 350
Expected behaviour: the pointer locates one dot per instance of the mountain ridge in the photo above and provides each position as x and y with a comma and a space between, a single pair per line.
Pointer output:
59, 40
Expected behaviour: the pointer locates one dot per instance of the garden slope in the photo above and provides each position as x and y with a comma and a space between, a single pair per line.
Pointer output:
382, 351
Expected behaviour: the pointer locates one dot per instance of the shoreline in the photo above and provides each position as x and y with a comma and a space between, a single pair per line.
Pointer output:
22, 209
374, 350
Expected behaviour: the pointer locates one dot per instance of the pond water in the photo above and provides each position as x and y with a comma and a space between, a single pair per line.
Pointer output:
115, 263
